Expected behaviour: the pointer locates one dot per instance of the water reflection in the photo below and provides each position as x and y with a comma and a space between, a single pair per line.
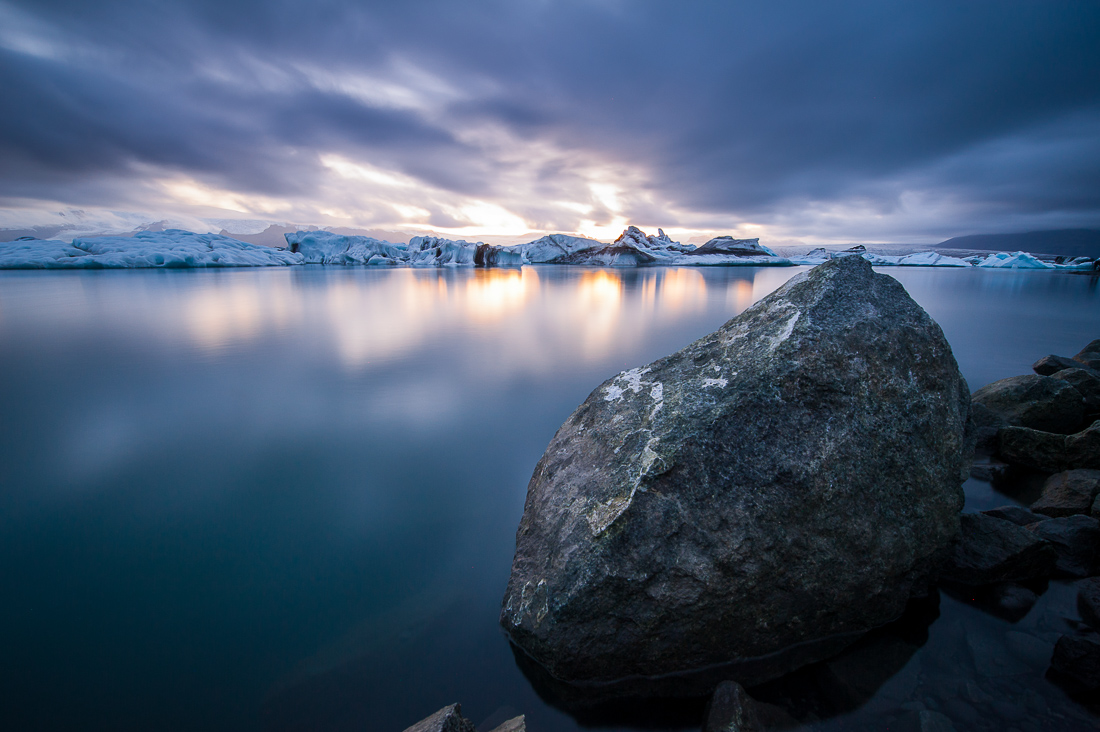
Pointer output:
303, 485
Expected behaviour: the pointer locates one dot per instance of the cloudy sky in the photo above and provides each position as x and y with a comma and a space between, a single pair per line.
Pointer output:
801, 120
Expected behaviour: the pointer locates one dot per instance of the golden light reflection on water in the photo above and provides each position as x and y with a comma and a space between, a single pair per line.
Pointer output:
553, 316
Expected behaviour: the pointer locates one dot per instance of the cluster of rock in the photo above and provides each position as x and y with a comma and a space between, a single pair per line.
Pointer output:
759, 499
178, 248
450, 719
1044, 422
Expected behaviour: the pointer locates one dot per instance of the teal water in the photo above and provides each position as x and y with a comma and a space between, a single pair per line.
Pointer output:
286, 499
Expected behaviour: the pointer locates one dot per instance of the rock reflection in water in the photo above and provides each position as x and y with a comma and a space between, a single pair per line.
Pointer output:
818, 691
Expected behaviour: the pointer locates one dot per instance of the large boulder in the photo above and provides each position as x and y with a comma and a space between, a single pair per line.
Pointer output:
447, 719
1086, 382
793, 476
1039, 402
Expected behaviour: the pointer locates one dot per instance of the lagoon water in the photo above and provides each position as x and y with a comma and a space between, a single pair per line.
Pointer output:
286, 499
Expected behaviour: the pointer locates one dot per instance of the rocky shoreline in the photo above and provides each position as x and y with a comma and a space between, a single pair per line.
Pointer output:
764, 522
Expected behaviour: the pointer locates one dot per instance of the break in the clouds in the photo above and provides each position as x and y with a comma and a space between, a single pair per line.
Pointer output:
846, 121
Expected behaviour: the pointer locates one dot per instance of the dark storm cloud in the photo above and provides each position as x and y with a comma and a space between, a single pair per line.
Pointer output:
730, 109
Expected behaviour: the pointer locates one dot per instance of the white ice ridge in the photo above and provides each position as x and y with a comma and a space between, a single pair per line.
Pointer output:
171, 248
179, 248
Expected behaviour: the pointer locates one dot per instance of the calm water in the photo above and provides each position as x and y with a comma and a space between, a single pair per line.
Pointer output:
287, 499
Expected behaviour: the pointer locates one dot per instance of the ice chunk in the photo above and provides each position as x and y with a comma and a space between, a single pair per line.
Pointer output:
1015, 260
170, 248
324, 247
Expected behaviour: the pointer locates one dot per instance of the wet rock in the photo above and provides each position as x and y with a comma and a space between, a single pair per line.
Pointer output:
1039, 402
447, 719
990, 550
1077, 659
1075, 540
1035, 652
793, 476
1032, 448
1088, 601
1087, 384
1050, 365
1016, 514
1083, 448
1090, 355
1068, 493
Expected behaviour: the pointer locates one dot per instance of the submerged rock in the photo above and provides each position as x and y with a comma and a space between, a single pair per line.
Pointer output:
731, 709
990, 550
791, 477
1088, 601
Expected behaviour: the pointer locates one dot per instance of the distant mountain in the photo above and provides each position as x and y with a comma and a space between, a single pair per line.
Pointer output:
1068, 242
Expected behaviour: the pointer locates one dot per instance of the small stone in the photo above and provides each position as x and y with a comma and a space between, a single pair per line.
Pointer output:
1014, 600
732, 710
1088, 601
1016, 514
992, 657
1078, 659
447, 719
1049, 365
1075, 540
1068, 493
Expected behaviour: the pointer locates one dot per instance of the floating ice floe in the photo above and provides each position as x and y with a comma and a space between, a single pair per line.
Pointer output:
171, 248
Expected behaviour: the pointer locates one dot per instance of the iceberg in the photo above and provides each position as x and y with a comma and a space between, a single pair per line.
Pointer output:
323, 247
1015, 260
165, 249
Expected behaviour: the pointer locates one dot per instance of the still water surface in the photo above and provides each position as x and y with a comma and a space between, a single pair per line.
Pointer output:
286, 499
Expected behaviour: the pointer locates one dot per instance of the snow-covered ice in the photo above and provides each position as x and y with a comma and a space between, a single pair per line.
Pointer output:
178, 248
171, 248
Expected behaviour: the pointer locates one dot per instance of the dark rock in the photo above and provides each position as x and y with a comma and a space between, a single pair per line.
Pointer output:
1039, 402
1083, 448
1068, 493
1078, 659
990, 550
1016, 514
984, 425
736, 247
1075, 539
1032, 448
447, 719
793, 476
1087, 384
1049, 365
732, 710
1088, 601
1008, 600
1090, 355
